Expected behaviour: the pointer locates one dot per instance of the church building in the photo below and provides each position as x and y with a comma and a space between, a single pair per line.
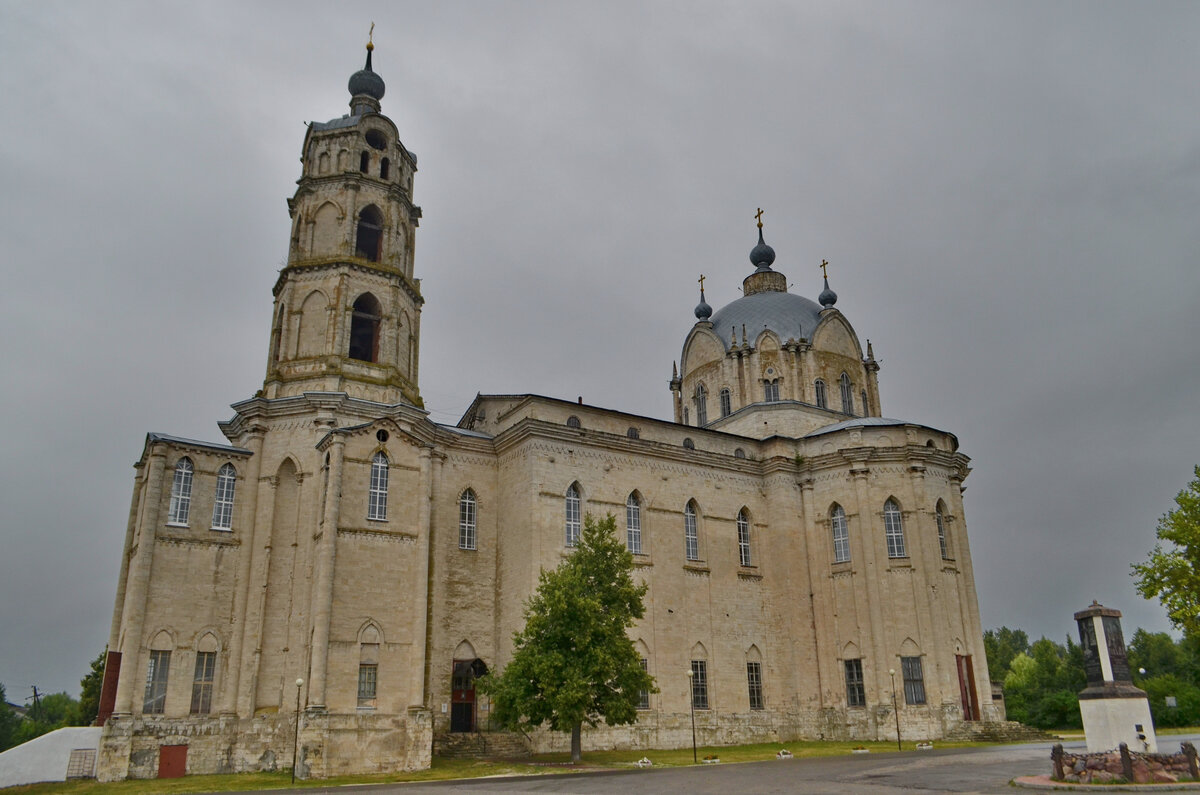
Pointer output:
332, 578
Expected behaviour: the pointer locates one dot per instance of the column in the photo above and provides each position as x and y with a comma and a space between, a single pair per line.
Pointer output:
248, 531
326, 559
431, 468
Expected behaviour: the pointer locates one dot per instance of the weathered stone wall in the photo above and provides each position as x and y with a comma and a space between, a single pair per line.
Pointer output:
1124, 765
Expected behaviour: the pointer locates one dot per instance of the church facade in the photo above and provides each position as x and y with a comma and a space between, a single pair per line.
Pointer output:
331, 579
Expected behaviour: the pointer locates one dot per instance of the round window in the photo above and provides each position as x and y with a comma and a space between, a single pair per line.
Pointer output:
376, 140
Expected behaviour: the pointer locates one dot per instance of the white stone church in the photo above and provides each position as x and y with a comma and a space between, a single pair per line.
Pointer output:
344, 562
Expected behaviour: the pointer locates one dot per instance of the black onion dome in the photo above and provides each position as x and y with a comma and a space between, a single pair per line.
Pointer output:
762, 255
703, 310
365, 81
827, 297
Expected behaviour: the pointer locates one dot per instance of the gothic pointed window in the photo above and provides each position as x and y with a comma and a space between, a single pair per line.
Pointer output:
771, 390
572, 505
466, 520
940, 515
726, 402
893, 529
369, 240
841, 536
157, 671
847, 389
743, 537
364, 329
223, 499
633, 524
181, 493
701, 405
377, 494
822, 398
865, 411
691, 534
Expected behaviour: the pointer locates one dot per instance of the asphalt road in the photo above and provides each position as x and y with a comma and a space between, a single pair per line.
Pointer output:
965, 770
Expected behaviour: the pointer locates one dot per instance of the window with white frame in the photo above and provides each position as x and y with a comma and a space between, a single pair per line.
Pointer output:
893, 529
691, 534
223, 498
940, 515
573, 510
699, 679
771, 390
466, 520
157, 671
368, 675
754, 683
841, 535
202, 682
726, 402
822, 398
914, 680
377, 496
743, 534
644, 695
181, 493
633, 524
847, 390
701, 405
856, 694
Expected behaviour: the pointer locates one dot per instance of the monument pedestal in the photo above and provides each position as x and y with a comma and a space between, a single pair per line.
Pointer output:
1113, 710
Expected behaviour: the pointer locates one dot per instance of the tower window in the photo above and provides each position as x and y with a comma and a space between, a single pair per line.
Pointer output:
865, 411
754, 683
376, 140
466, 520
377, 494
822, 398
157, 671
364, 329
841, 536
771, 390
691, 537
940, 514
572, 519
633, 524
181, 493
223, 499
893, 530
701, 405
856, 695
743, 535
202, 682
847, 394
369, 240
364, 162
384, 168
726, 403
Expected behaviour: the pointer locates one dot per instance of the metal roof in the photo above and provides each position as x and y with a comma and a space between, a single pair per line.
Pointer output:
162, 437
865, 422
788, 315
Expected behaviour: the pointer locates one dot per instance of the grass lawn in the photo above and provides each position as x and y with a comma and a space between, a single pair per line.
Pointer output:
544, 764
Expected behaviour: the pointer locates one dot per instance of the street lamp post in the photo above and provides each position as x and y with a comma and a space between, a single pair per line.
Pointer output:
296, 734
692, 704
895, 707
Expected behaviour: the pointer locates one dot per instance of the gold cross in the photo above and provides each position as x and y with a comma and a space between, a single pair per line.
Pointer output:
758, 215
824, 272
371, 34
701, 282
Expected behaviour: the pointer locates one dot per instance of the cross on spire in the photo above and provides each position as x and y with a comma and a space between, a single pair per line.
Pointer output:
701, 280
758, 215
824, 264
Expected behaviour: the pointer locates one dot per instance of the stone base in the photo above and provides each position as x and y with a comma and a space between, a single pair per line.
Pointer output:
1108, 722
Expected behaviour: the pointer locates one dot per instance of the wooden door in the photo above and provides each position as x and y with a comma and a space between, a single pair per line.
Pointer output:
966, 687
172, 761
462, 697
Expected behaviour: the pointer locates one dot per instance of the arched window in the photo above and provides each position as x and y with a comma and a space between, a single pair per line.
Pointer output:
847, 394
377, 496
466, 520
822, 398
181, 493
384, 168
223, 501
865, 410
572, 509
739, 453
940, 515
743, 533
893, 529
688, 444
573, 422
771, 390
633, 523
701, 405
205, 674
633, 433
691, 534
841, 536
364, 162
726, 402
369, 240
364, 329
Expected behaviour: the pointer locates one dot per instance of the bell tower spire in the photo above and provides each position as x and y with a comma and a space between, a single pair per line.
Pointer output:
347, 312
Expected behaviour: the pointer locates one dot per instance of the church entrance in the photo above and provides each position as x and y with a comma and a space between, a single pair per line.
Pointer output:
462, 694
966, 687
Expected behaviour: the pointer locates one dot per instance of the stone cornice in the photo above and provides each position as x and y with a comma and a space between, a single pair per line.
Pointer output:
316, 264
308, 185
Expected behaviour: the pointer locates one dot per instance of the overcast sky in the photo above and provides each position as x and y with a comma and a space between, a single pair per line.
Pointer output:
1007, 194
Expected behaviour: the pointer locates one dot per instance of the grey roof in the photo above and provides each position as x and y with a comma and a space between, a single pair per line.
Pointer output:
162, 437
864, 422
788, 315
464, 431
337, 124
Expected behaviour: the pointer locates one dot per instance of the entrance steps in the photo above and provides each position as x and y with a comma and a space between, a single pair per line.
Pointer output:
997, 731
481, 745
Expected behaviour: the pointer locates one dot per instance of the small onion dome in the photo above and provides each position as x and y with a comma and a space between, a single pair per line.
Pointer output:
827, 297
365, 81
703, 310
762, 256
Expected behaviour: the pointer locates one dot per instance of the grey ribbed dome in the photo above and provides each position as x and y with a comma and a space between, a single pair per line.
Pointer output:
365, 81
788, 315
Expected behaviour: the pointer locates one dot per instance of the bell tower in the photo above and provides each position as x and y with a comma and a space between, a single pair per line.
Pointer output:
347, 314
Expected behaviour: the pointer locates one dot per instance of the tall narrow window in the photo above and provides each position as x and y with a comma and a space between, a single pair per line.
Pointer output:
822, 398
223, 500
364, 162
369, 240
893, 529
856, 695
699, 684
181, 493
914, 680
743, 533
368, 674
466, 520
940, 515
771, 390
726, 402
377, 496
691, 536
202, 682
156, 682
644, 695
364, 328
841, 535
384, 168
701, 405
847, 390
633, 524
865, 410
754, 683
572, 508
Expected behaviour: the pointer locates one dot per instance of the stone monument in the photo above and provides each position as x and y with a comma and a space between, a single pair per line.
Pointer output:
1113, 710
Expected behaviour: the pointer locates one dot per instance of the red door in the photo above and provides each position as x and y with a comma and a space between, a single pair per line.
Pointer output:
462, 697
966, 687
172, 761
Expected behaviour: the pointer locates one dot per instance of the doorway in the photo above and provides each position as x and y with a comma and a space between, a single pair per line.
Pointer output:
462, 694
966, 687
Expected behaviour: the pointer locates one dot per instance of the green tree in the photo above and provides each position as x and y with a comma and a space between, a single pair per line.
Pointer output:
1042, 685
89, 694
1186, 711
1171, 574
9, 722
1158, 653
573, 662
1001, 646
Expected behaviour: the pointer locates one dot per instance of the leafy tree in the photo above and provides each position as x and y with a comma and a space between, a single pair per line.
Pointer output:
1186, 711
1172, 574
1158, 653
1042, 686
9, 721
1001, 646
573, 663
89, 694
